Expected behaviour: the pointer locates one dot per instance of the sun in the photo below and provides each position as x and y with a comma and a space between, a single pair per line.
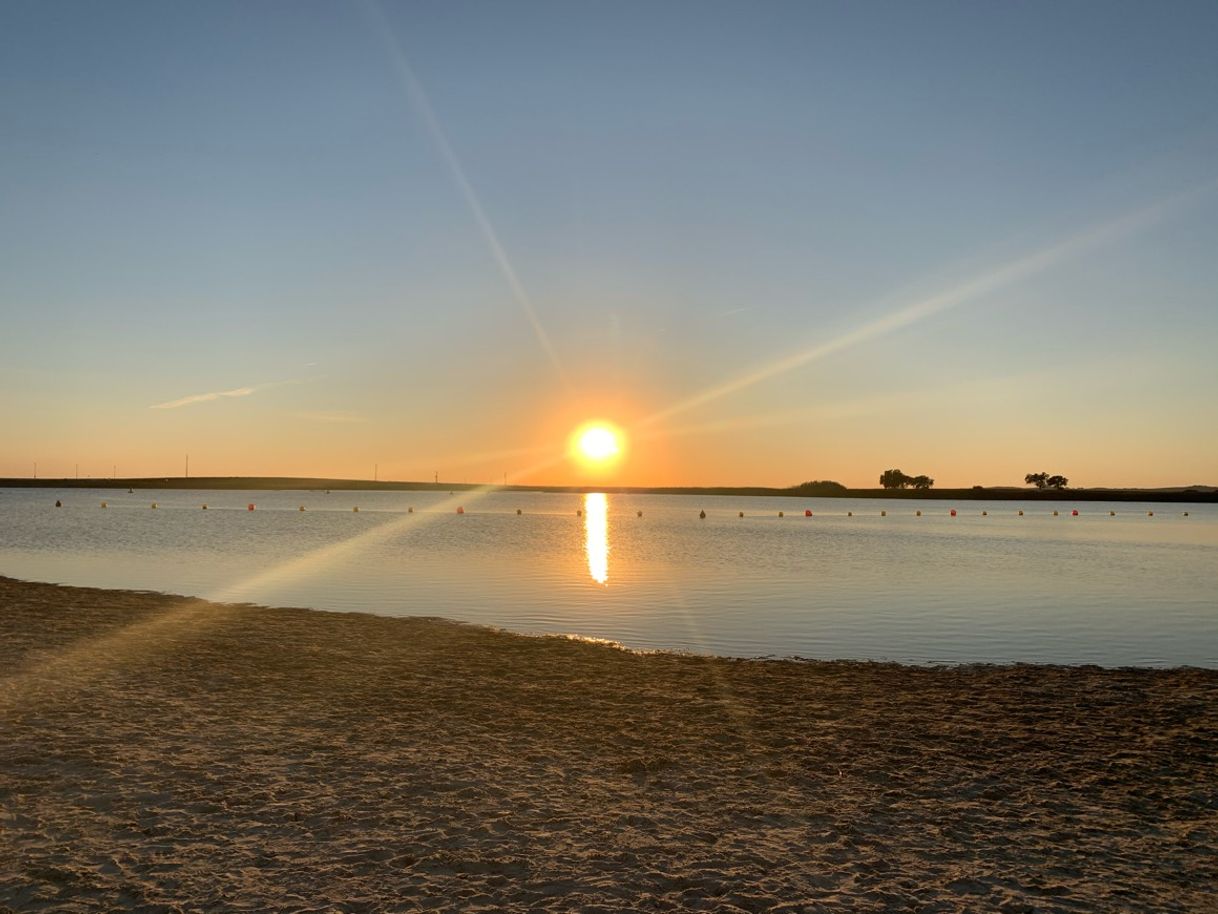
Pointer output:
597, 445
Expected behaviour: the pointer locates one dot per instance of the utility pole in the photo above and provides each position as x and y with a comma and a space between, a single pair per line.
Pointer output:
78, 471
187, 466
376, 472
437, 475
35, 469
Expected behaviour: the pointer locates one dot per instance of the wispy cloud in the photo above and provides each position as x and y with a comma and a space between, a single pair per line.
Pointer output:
228, 394
205, 398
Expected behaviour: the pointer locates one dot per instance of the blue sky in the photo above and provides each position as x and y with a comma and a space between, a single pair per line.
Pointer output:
214, 197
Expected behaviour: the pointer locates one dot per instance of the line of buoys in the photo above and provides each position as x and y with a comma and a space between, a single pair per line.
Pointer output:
460, 510
953, 512
807, 512
702, 514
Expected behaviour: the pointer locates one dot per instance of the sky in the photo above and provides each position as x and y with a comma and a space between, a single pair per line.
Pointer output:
771, 241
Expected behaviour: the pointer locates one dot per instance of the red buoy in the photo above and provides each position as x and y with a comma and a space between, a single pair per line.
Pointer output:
1074, 513
250, 506
460, 510
953, 512
807, 512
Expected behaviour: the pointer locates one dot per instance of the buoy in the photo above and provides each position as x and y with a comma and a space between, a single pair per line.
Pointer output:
1055, 514
104, 505
130, 492
460, 510
154, 504
579, 512
640, 514
807, 512
410, 510
953, 512
1074, 513
58, 503
702, 514
518, 511
850, 514
741, 514
1112, 514
1150, 513
1186, 514
250, 506
355, 510
985, 513
918, 513
302, 507
205, 507
780, 514
1021, 512
883, 514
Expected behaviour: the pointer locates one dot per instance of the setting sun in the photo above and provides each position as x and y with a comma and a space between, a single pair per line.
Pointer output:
597, 444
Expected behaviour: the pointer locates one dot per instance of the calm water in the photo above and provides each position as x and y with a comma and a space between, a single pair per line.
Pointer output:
1129, 589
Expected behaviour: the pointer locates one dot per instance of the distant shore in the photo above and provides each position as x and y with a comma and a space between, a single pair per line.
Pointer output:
161, 753
1196, 495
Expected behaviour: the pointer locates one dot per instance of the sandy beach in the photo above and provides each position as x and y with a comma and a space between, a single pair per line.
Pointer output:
166, 754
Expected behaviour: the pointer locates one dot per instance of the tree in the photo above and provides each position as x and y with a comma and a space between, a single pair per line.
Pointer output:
922, 482
1040, 480
1057, 482
894, 479
821, 487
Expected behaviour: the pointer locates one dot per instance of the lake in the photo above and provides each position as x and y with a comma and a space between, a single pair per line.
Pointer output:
1129, 589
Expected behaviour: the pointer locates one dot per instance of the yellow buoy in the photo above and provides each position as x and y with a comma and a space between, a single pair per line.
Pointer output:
302, 507
355, 510
154, 504
104, 505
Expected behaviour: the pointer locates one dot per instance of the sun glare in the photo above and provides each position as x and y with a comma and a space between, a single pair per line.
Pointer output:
596, 444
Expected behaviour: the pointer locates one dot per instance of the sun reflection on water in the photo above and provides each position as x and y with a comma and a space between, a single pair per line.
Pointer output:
596, 535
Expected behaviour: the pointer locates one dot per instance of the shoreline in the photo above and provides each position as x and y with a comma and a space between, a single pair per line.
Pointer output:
172, 755
1174, 495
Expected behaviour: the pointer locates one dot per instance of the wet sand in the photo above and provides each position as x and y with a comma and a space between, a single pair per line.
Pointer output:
166, 754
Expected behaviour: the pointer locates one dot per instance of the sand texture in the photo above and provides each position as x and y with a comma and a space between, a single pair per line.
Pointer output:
165, 754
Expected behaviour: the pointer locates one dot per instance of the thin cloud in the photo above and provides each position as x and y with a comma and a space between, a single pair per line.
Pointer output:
228, 394
205, 398
322, 416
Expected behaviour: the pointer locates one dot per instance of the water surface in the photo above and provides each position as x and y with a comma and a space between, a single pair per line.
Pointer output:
1112, 590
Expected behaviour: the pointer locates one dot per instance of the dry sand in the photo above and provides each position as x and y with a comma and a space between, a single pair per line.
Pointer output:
165, 754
